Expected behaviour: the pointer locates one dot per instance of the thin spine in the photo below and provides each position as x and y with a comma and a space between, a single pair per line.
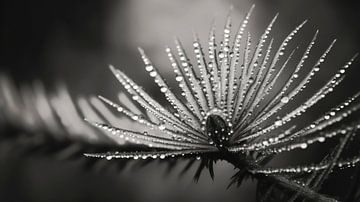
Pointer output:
150, 104
260, 117
146, 137
182, 109
224, 60
186, 89
145, 155
234, 62
202, 65
213, 66
191, 76
153, 126
243, 80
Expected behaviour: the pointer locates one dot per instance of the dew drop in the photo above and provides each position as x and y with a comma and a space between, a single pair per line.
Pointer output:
285, 99
321, 139
179, 78
149, 68
163, 89
162, 127
303, 146
221, 55
153, 74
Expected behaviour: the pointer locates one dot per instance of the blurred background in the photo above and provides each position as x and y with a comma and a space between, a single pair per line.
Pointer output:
74, 41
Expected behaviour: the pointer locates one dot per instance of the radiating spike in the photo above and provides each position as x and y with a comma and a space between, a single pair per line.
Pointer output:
303, 136
303, 142
151, 105
186, 89
294, 75
224, 60
320, 166
213, 66
276, 58
257, 54
244, 81
153, 126
183, 111
147, 139
204, 74
257, 83
333, 116
125, 100
88, 111
333, 160
264, 115
234, 62
269, 86
145, 155
193, 81
301, 109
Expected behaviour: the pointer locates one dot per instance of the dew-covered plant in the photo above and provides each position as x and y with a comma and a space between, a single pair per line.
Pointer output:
226, 110
230, 108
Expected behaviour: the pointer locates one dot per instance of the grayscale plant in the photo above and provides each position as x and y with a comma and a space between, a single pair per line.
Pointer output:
229, 109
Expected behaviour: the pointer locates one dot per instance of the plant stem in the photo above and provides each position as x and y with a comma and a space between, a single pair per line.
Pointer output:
240, 162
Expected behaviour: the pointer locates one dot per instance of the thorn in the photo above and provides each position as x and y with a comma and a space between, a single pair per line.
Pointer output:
142, 52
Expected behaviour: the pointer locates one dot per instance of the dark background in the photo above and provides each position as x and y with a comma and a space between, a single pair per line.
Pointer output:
74, 41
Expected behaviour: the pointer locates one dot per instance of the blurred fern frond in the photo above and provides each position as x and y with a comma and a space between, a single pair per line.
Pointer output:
231, 108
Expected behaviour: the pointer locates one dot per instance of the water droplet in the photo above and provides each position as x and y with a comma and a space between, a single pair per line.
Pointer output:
162, 127
278, 123
163, 89
285, 99
321, 139
179, 78
153, 74
221, 55
303, 146
149, 68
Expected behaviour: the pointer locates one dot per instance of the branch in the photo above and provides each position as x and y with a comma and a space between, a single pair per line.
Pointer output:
239, 162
